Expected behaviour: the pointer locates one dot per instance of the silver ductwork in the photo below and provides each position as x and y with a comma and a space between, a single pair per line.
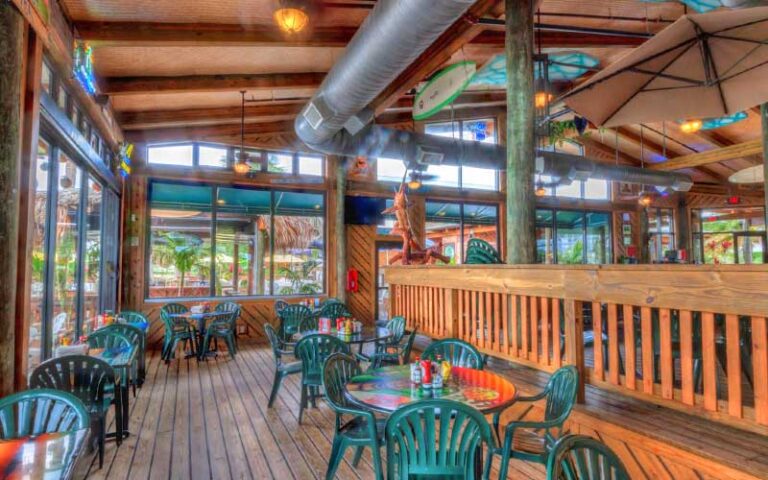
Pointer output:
336, 121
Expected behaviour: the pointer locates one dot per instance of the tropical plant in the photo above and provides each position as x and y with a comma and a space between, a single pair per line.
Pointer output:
298, 279
183, 251
572, 255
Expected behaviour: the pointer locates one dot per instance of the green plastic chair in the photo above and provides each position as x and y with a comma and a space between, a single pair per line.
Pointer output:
521, 439
35, 412
233, 308
480, 252
394, 351
313, 350
333, 310
222, 325
578, 457
458, 352
279, 305
90, 380
282, 369
437, 438
139, 340
177, 330
291, 319
362, 430
137, 319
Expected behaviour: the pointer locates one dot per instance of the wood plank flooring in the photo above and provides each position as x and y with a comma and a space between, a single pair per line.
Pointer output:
209, 420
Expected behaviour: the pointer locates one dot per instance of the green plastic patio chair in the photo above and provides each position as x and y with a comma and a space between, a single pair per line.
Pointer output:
221, 325
458, 352
233, 308
394, 351
291, 319
362, 429
522, 439
312, 350
137, 319
35, 412
279, 305
578, 457
333, 309
139, 340
177, 330
282, 369
437, 439
480, 252
90, 380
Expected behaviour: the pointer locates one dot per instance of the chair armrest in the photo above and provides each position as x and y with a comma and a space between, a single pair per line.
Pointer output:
533, 398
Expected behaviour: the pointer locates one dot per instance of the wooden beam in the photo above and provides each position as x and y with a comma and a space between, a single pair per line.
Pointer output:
209, 83
202, 133
564, 40
764, 141
739, 150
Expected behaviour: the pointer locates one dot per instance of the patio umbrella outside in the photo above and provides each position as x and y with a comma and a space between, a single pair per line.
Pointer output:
702, 66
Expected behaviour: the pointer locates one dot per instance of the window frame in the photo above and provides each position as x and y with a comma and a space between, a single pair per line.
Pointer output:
553, 225
461, 205
214, 210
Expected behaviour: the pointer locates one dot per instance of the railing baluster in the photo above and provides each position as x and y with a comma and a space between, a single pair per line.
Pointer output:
665, 334
760, 368
524, 324
630, 353
733, 360
709, 365
686, 357
613, 344
534, 312
497, 321
597, 332
514, 324
505, 323
556, 334
545, 330
647, 349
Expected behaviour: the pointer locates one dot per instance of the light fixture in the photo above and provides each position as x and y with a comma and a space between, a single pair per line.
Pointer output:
414, 184
541, 99
645, 199
241, 166
691, 126
292, 16
540, 190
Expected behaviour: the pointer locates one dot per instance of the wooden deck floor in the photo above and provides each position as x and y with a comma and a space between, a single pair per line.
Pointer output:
209, 420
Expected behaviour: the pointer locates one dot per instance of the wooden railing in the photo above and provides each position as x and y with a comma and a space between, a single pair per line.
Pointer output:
693, 338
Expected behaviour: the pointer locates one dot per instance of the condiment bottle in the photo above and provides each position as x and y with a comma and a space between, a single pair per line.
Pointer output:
426, 373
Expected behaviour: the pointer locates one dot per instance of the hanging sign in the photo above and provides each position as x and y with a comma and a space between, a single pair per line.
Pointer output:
443, 89
83, 67
124, 160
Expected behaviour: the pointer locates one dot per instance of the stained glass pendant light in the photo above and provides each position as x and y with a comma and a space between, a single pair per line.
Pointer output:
292, 16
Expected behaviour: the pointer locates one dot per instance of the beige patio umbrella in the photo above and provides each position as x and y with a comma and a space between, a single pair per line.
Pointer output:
701, 66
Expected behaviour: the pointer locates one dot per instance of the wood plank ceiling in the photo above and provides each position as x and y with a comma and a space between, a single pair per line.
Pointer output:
171, 67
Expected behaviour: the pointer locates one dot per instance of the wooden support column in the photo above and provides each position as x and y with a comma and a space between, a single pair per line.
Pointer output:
339, 244
643, 249
11, 60
764, 118
683, 231
520, 205
29, 143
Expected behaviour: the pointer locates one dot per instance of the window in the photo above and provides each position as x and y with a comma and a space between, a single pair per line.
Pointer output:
181, 155
467, 177
42, 169
279, 163
661, 229
93, 254
47, 79
266, 242
451, 225
573, 237
309, 165
729, 235
390, 169
590, 189
212, 156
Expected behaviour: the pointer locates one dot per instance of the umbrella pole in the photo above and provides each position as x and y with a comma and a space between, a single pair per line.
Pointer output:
764, 120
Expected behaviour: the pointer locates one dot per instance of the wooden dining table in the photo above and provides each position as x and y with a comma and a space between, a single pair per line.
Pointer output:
49, 456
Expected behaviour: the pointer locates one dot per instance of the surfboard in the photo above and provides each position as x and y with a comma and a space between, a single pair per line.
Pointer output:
443, 89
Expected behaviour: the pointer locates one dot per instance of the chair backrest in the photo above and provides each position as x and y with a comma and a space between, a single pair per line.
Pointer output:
481, 252
131, 317
34, 412
274, 342
458, 352
314, 349
223, 322
561, 393
409, 347
108, 338
338, 369
397, 327
231, 307
87, 378
279, 305
578, 457
291, 318
333, 310
436, 437
136, 335
174, 308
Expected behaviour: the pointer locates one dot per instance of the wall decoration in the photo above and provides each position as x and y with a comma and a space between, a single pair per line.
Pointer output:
713, 123
699, 6
562, 67
124, 159
413, 253
83, 67
443, 89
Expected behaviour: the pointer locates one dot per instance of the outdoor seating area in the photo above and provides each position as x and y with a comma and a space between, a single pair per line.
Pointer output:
384, 239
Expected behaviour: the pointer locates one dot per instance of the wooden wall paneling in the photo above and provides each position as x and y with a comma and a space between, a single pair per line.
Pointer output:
361, 251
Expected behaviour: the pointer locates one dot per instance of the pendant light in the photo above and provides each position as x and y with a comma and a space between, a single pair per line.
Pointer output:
292, 16
645, 198
241, 166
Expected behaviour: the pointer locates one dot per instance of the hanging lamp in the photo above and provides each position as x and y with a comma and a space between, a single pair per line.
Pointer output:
241, 166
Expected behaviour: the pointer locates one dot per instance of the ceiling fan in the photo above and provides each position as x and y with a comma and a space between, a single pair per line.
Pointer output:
416, 177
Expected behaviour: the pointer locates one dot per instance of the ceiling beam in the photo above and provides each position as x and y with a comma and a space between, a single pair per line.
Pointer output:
739, 150
209, 83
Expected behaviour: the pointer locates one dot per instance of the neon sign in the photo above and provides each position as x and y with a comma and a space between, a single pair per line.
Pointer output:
83, 67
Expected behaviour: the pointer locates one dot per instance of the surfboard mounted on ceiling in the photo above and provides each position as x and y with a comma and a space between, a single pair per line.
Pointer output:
443, 89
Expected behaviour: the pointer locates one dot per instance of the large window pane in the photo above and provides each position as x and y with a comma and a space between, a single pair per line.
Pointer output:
242, 242
180, 243
480, 222
92, 267
40, 224
66, 259
570, 237
479, 178
299, 243
569, 191
212, 156
545, 237
596, 189
443, 229
443, 175
390, 170
279, 163
479, 131
309, 165
598, 237
170, 155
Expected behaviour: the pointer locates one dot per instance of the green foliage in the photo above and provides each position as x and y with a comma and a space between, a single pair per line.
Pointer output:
559, 132
299, 279
182, 251
574, 255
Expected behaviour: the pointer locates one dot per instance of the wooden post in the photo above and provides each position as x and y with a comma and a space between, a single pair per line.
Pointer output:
644, 250
764, 117
29, 144
340, 234
574, 342
520, 205
11, 59
683, 233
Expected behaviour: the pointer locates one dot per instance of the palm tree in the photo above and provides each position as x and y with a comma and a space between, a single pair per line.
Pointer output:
182, 250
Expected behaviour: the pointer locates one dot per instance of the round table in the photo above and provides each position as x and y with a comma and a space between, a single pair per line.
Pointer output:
385, 389
367, 335
202, 319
